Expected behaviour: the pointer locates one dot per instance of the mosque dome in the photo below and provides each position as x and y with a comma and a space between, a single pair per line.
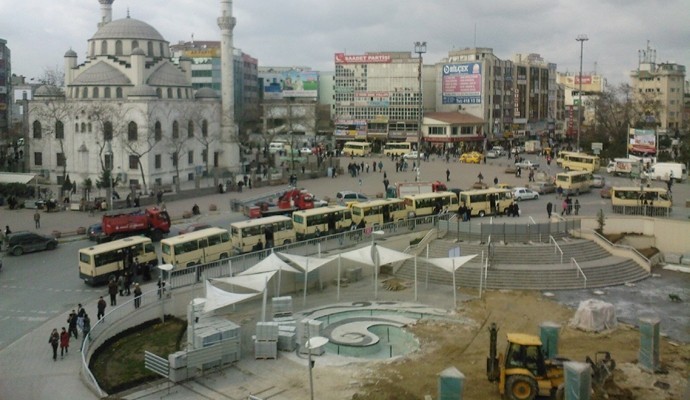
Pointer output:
70, 53
206, 93
127, 28
48, 91
138, 52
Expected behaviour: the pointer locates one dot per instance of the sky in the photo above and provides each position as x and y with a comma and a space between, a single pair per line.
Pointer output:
309, 32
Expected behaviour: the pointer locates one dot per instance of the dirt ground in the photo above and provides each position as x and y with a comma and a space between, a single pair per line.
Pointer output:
465, 347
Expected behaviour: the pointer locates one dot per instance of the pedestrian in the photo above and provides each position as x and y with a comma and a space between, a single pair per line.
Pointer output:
569, 201
480, 177
559, 190
37, 219
87, 327
101, 307
577, 206
565, 207
161, 286
380, 166
137, 295
549, 209
159, 197
72, 324
7, 230
495, 180
64, 342
128, 282
121, 284
374, 165
385, 175
80, 317
447, 175
112, 291
54, 341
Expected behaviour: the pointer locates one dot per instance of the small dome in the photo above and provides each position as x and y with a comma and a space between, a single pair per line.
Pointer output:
48, 91
127, 28
101, 73
70, 53
138, 52
205, 93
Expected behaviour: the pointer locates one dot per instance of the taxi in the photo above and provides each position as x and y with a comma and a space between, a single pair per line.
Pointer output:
472, 157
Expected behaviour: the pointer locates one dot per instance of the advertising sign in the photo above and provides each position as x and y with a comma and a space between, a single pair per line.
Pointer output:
352, 128
372, 99
342, 58
642, 141
462, 83
213, 52
293, 83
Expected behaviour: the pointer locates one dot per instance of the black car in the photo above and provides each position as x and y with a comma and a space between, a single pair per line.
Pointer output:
19, 243
94, 231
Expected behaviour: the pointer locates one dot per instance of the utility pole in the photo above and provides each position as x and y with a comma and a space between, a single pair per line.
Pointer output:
582, 39
420, 48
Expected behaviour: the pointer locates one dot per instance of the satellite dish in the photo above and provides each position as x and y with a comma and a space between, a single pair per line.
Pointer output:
166, 267
315, 342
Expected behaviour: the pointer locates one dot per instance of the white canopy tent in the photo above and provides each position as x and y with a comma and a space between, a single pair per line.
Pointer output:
217, 298
307, 264
268, 264
450, 264
256, 282
375, 256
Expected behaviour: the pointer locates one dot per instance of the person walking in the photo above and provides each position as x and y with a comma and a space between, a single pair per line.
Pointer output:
64, 342
128, 283
37, 219
72, 324
565, 207
121, 285
87, 328
480, 177
380, 166
101, 308
54, 341
137, 295
80, 317
577, 206
495, 180
549, 209
112, 291
447, 175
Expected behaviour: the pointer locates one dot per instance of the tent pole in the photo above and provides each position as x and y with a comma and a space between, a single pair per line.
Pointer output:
263, 308
306, 278
339, 262
415, 277
455, 290
280, 273
426, 287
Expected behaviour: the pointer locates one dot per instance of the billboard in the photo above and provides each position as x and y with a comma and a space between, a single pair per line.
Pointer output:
372, 99
351, 128
342, 58
462, 83
293, 83
642, 141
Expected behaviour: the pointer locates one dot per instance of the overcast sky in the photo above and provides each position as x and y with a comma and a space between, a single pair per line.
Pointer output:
309, 32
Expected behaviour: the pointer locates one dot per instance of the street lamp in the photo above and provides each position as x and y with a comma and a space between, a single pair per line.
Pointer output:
313, 343
420, 48
582, 39
109, 153
376, 258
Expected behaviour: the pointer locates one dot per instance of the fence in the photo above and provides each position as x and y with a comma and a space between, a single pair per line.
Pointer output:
649, 211
507, 232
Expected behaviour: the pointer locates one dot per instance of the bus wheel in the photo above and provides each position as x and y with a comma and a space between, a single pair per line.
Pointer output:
567, 169
223, 256
577, 192
481, 214
286, 242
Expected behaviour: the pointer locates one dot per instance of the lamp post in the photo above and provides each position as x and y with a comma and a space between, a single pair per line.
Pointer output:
582, 39
313, 343
420, 48
109, 153
375, 257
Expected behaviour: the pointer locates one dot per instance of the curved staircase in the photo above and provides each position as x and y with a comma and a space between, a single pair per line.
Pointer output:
529, 266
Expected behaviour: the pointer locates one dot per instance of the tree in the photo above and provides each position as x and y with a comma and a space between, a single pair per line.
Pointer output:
54, 114
144, 144
177, 142
200, 115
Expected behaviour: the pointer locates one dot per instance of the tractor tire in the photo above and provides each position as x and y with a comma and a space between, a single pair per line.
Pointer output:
520, 387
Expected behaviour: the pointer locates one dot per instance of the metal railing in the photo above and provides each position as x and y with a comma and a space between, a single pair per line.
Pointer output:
578, 271
557, 248
643, 210
623, 246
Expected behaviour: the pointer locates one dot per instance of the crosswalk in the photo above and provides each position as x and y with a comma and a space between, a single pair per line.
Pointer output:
54, 290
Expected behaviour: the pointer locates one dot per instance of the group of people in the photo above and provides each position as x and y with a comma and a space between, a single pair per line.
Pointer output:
569, 206
76, 321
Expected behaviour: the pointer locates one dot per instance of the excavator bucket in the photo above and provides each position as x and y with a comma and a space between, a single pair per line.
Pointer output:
602, 367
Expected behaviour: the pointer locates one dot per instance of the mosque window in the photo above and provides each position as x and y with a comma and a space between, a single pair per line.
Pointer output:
93, 48
38, 130
88, 127
179, 93
175, 130
76, 127
160, 49
107, 130
190, 157
96, 93
85, 93
157, 161
118, 48
159, 93
59, 130
135, 44
104, 48
60, 159
132, 134
133, 161
106, 93
170, 93
158, 132
190, 129
149, 48
118, 93
38, 158
83, 127
204, 128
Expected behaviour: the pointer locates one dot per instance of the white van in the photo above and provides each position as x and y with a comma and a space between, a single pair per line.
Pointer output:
666, 171
275, 147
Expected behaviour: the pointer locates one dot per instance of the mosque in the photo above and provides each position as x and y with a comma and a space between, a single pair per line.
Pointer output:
130, 110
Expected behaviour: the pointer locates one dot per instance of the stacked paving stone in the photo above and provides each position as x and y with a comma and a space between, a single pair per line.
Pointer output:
282, 314
309, 328
266, 340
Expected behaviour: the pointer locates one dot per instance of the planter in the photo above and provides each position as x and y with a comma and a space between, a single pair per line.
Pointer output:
81, 230
212, 207
57, 234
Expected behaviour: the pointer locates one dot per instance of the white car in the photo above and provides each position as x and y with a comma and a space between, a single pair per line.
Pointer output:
492, 154
527, 164
413, 155
305, 151
523, 193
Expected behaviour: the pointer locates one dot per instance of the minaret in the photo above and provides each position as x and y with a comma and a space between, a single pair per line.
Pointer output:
106, 12
229, 144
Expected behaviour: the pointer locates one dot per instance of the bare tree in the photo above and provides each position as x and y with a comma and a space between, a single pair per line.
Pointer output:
53, 76
199, 116
139, 145
177, 142
55, 114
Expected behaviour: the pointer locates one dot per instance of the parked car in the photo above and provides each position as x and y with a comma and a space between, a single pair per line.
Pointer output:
305, 151
505, 186
472, 157
492, 154
605, 192
413, 155
320, 203
193, 228
543, 187
598, 181
19, 243
527, 164
347, 196
523, 193
94, 231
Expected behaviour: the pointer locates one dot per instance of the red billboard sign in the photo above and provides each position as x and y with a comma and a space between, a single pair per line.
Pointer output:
586, 79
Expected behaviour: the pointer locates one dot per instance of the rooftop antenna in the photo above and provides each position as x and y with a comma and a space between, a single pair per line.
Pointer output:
475, 35
127, 12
